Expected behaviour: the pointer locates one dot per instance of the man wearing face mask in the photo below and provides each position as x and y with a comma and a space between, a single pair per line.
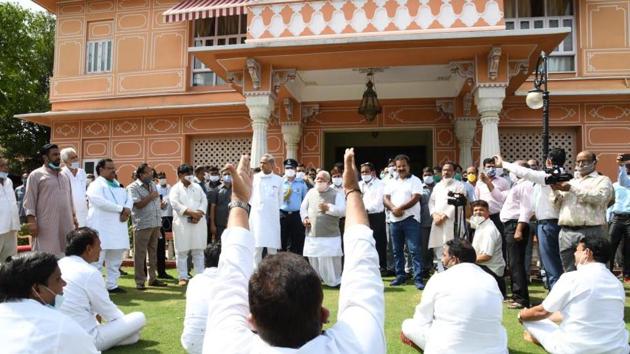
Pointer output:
147, 221
190, 232
460, 310
620, 219
220, 208
19, 197
588, 304
301, 174
487, 243
470, 180
373, 190
202, 178
213, 180
31, 290
78, 181
48, 204
163, 188
442, 213
390, 174
426, 221
293, 192
493, 188
320, 212
583, 202
110, 208
9, 221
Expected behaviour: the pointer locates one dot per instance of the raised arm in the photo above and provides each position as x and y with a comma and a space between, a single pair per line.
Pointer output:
525, 173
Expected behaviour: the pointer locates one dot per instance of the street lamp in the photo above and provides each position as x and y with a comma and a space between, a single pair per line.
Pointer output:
539, 98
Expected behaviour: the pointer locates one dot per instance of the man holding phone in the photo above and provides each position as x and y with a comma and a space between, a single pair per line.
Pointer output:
620, 217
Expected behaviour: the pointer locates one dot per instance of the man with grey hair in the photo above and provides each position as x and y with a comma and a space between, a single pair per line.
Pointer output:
321, 210
78, 182
264, 218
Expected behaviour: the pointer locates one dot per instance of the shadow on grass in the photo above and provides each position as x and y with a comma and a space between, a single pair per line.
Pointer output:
134, 297
143, 346
391, 289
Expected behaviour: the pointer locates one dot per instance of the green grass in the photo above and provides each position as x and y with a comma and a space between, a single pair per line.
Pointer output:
164, 309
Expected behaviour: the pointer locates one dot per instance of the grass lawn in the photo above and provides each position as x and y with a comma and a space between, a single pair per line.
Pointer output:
164, 309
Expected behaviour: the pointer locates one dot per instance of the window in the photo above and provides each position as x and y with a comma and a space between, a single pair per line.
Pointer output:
530, 14
99, 56
215, 31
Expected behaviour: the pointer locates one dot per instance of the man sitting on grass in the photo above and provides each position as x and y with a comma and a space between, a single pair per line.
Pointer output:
283, 305
461, 308
197, 300
588, 303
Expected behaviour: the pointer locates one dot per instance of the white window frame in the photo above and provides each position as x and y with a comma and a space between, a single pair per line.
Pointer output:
559, 51
104, 51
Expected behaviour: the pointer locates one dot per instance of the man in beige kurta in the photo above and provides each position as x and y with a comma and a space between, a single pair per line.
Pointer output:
48, 204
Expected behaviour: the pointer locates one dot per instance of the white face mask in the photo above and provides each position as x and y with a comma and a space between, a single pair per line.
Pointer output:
162, 181
321, 186
336, 181
56, 303
214, 178
299, 175
391, 170
289, 172
447, 180
428, 180
190, 178
75, 165
476, 220
366, 178
227, 179
4, 175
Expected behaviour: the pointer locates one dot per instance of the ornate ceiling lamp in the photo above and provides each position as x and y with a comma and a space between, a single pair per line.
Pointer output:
370, 106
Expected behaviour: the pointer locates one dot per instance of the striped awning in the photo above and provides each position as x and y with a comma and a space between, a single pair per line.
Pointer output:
197, 9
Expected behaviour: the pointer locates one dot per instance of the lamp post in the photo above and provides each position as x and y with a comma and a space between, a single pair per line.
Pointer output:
539, 98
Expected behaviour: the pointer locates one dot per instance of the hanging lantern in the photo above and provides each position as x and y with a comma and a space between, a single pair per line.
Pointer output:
370, 106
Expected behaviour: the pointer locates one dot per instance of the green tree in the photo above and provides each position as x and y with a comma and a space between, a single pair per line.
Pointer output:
26, 61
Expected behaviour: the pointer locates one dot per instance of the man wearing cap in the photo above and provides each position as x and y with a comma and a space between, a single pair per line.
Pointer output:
293, 192
48, 204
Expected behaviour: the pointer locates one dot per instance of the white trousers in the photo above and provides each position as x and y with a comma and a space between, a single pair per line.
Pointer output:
8, 245
417, 334
328, 269
437, 251
181, 262
258, 254
545, 333
113, 260
123, 331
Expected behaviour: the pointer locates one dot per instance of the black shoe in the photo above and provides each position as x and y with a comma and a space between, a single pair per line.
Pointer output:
122, 272
117, 290
165, 276
398, 281
157, 283
141, 287
419, 285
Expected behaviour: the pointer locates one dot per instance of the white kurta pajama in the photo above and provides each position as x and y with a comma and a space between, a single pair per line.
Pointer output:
9, 221
198, 298
106, 204
85, 296
264, 216
186, 235
438, 203
324, 251
79, 188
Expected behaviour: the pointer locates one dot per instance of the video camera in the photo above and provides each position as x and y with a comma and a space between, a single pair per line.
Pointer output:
456, 199
557, 174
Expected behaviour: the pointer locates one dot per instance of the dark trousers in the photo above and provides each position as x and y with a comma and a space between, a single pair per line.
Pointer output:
620, 232
407, 232
516, 256
167, 226
291, 232
500, 280
377, 224
427, 253
496, 219
549, 248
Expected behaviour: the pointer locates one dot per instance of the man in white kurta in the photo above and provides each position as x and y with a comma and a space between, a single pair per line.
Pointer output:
190, 231
85, 295
588, 302
360, 318
442, 213
78, 182
266, 200
9, 220
320, 212
461, 308
110, 207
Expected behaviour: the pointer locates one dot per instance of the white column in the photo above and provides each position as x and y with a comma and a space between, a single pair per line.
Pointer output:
465, 133
489, 102
291, 133
260, 108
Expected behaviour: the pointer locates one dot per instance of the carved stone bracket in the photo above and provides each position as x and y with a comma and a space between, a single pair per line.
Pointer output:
288, 108
518, 67
281, 77
235, 77
254, 72
493, 62
309, 111
463, 69
467, 103
446, 108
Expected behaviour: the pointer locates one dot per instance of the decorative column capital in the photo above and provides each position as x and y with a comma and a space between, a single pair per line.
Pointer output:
465, 129
489, 102
260, 107
291, 132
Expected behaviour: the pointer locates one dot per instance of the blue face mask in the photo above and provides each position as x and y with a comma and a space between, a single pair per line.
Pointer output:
57, 302
4, 175
491, 172
54, 166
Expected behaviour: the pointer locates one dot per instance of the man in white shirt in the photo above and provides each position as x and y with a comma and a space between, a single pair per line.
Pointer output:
443, 213
493, 188
320, 212
198, 298
9, 219
487, 243
460, 310
623, 178
86, 298
78, 181
588, 303
110, 208
266, 201
190, 230
373, 190
515, 216
285, 296
402, 197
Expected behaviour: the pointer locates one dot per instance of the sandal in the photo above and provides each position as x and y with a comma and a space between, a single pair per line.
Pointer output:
408, 342
515, 306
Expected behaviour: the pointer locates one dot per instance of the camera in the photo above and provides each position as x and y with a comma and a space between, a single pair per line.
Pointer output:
456, 199
556, 175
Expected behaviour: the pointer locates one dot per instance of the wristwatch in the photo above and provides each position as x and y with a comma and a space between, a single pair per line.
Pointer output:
239, 204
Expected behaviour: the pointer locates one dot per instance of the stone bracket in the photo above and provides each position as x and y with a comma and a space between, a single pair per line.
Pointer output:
253, 67
281, 77
309, 111
494, 57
